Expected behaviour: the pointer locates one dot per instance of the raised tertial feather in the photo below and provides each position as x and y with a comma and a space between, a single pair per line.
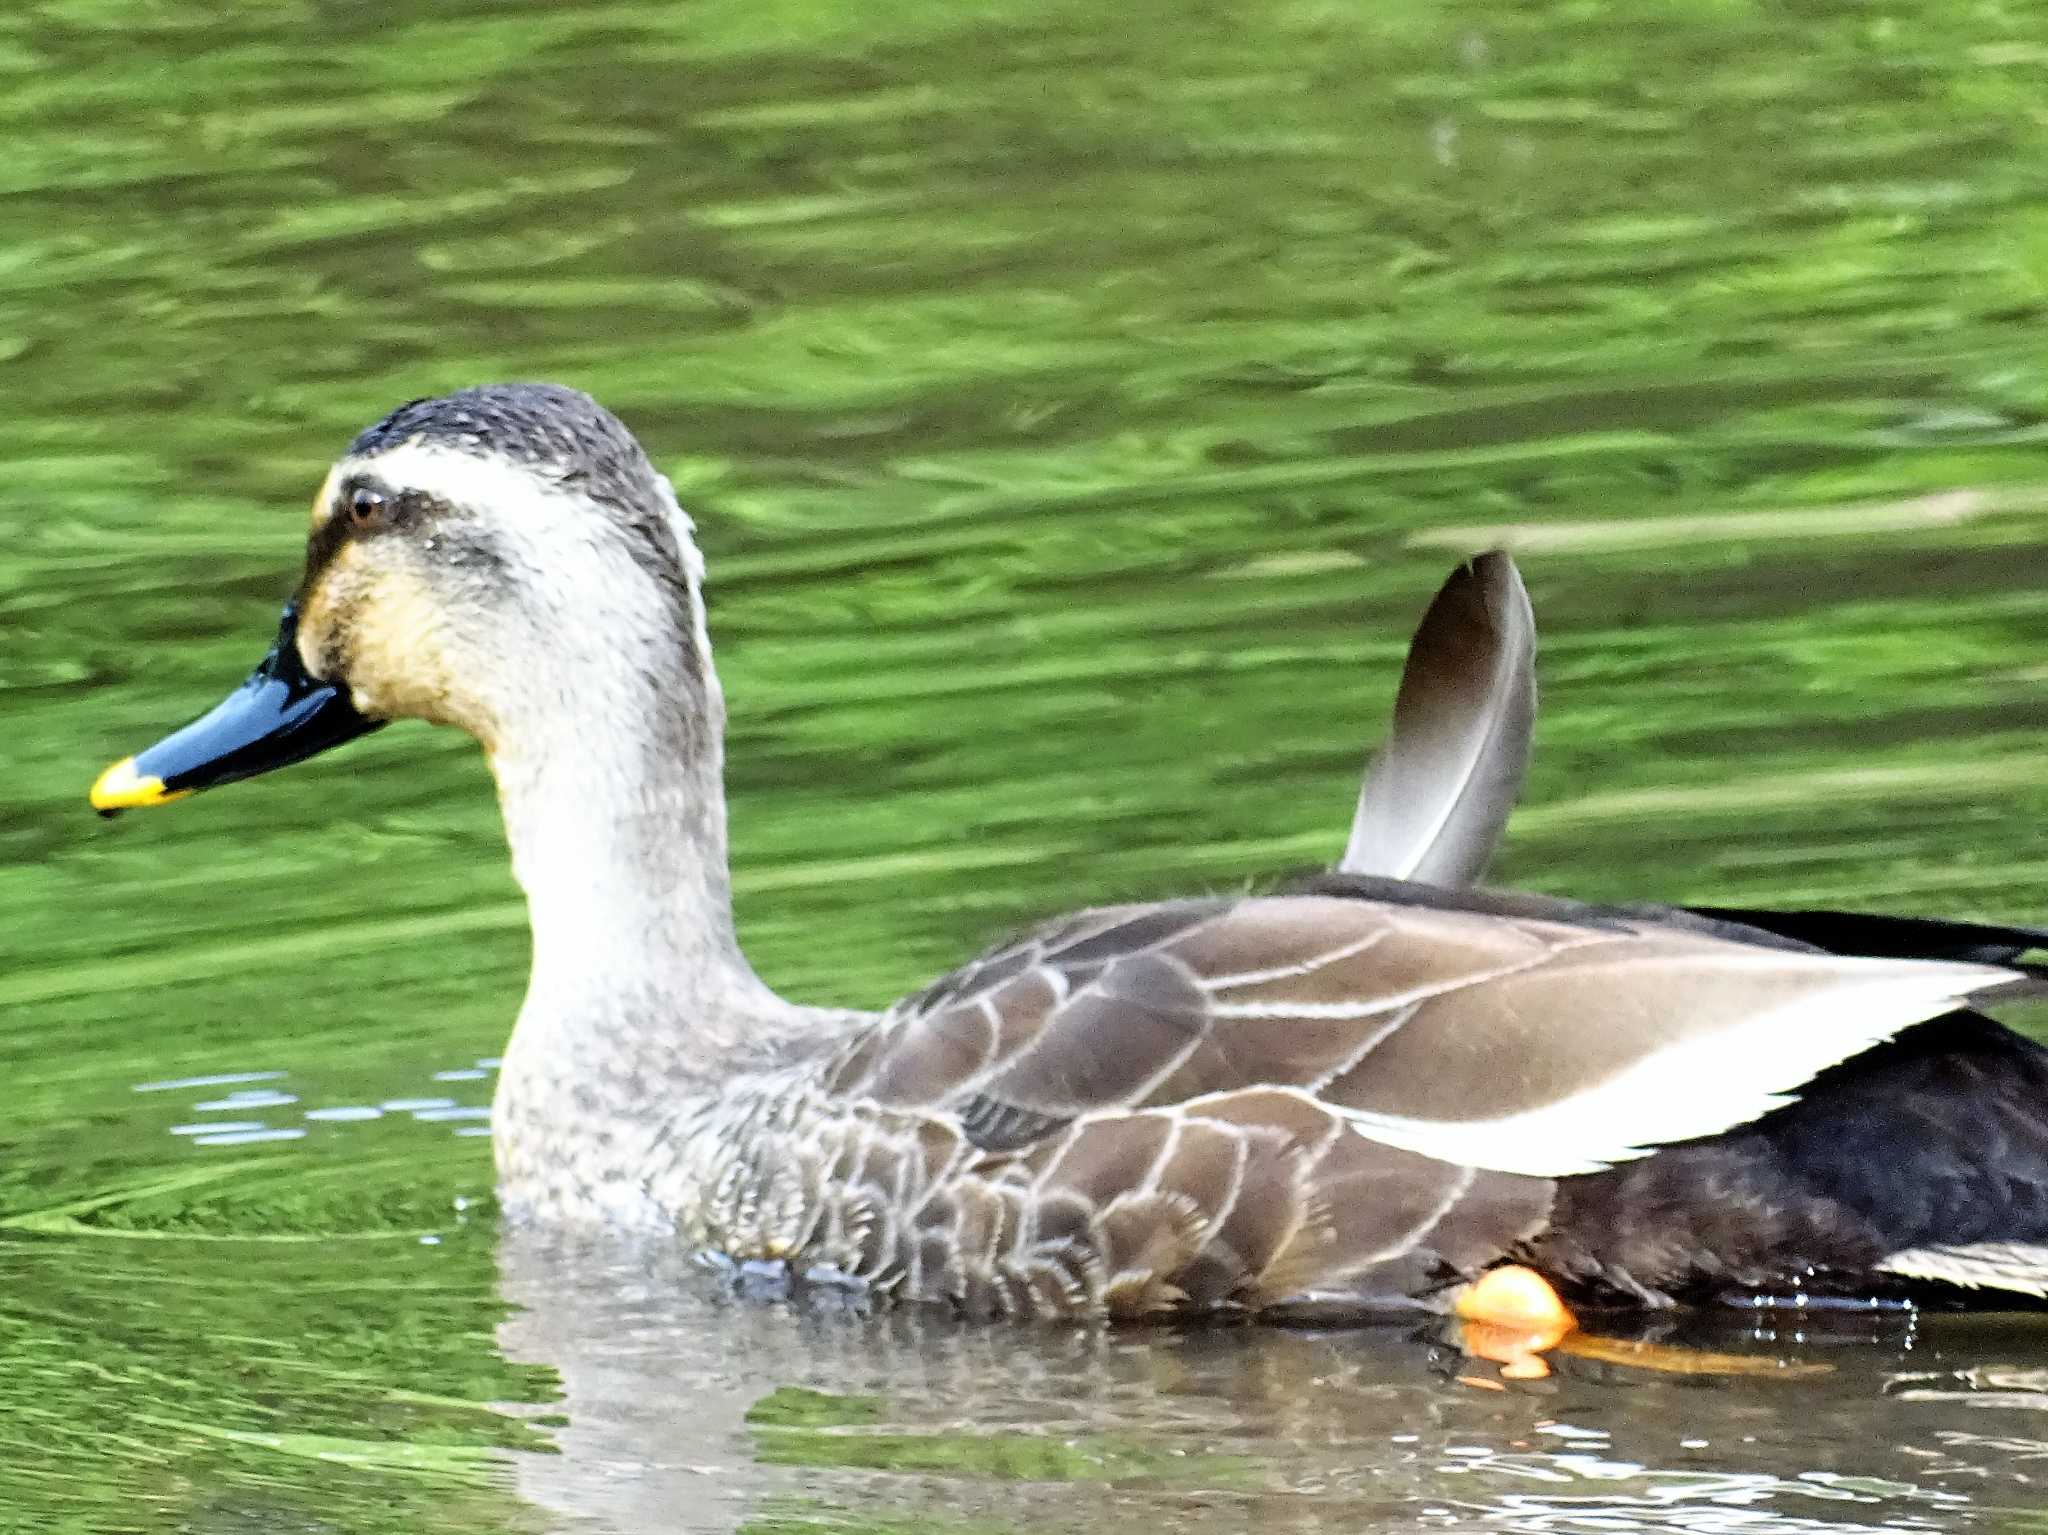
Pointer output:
1437, 797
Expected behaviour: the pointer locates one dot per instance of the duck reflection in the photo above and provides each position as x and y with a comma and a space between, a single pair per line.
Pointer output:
689, 1405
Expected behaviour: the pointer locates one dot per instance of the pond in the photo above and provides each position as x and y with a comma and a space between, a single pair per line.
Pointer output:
1078, 405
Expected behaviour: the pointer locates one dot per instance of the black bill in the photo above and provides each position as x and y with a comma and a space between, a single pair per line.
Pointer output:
281, 715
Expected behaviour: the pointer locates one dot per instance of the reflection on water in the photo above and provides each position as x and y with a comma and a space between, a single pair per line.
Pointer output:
232, 1127
1078, 404
733, 1411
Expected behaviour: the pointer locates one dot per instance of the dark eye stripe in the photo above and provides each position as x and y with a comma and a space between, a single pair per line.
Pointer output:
325, 541
394, 509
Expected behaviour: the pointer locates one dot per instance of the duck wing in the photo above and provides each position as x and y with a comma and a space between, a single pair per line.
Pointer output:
1437, 797
1535, 1038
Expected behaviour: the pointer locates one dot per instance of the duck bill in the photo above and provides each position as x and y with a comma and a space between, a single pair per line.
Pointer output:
281, 715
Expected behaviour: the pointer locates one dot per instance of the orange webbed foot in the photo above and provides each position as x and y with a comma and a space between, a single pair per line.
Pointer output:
1511, 1316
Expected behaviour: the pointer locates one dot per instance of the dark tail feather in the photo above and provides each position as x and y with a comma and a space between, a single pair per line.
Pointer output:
1883, 937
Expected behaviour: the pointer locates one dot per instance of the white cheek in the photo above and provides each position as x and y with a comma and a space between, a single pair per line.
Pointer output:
566, 625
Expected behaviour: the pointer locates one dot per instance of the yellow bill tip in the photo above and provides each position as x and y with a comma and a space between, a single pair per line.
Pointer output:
121, 787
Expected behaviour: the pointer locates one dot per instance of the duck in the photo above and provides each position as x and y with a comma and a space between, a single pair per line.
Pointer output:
1375, 1089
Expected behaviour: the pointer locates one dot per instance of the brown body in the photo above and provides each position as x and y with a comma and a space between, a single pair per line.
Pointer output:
1148, 1111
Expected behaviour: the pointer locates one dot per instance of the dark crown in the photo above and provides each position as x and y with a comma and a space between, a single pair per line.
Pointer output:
560, 431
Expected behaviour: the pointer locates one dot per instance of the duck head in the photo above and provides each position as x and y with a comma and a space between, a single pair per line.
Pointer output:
502, 559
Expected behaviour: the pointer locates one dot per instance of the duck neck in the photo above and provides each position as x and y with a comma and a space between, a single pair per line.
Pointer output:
616, 819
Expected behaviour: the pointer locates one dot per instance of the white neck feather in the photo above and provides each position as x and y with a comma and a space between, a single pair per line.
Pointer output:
622, 856
614, 804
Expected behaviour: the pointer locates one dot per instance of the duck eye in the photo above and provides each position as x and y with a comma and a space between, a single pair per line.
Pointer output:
368, 508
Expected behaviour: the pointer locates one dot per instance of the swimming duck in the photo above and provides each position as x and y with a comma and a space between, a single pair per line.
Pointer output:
1356, 1093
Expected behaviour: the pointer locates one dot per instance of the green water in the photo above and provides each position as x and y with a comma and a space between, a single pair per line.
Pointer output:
1078, 404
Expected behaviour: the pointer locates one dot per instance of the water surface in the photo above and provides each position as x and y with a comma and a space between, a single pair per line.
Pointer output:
1078, 406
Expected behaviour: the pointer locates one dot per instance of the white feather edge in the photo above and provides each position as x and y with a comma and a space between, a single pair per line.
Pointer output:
1702, 1086
2017, 1266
